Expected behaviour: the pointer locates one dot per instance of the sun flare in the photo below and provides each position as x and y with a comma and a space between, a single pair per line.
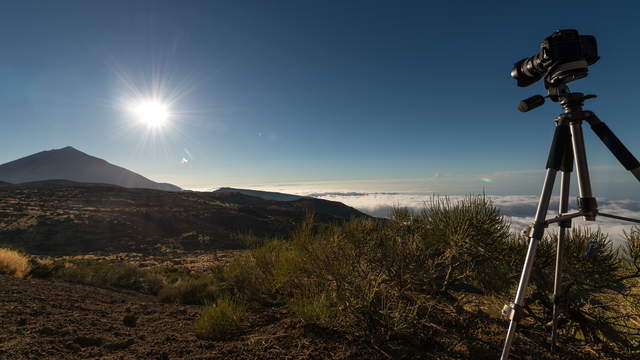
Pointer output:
152, 113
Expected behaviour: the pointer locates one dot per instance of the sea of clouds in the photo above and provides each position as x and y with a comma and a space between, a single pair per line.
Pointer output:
617, 196
518, 209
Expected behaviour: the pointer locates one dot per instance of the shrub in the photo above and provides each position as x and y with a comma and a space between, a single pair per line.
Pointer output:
45, 268
248, 239
13, 263
473, 238
192, 291
599, 285
315, 307
384, 276
101, 274
245, 277
220, 319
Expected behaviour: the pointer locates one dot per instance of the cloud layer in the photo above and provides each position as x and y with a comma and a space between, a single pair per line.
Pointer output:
519, 209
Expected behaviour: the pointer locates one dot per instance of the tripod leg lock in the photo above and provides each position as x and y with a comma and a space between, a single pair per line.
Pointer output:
589, 207
565, 224
512, 311
537, 230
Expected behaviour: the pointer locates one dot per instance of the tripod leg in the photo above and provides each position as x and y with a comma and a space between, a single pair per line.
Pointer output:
556, 155
564, 207
586, 202
536, 235
565, 182
616, 146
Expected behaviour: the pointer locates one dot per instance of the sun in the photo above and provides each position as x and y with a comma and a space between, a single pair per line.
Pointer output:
152, 113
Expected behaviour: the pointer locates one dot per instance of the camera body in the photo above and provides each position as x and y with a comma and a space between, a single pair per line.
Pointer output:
563, 57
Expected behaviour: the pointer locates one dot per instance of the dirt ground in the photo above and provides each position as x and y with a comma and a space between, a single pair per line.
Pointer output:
44, 319
193, 260
49, 319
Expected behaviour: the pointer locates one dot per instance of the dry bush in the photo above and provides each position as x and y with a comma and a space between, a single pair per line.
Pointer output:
412, 278
102, 274
403, 276
313, 306
475, 242
13, 263
220, 319
45, 268
599, 292
191, 291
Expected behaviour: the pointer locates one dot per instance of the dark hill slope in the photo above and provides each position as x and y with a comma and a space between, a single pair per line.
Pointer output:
71, 164
77, 218
269, 195
321, 206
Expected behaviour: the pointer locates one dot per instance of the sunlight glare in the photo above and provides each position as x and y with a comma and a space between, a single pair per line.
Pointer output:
152, 113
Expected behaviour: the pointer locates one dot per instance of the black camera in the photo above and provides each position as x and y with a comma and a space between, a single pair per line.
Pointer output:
563, 57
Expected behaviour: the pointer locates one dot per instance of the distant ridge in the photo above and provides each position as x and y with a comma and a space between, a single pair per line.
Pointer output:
54, 183
267, 195
75, 218
335, 208
71, 164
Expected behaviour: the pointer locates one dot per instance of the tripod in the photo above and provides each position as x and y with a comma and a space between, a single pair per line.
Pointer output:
566, 149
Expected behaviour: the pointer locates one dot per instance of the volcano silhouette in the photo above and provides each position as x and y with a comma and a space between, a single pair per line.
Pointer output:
71, 164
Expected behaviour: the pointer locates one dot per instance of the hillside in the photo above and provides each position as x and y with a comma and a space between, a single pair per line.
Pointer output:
268, 195
71, 164
59, 217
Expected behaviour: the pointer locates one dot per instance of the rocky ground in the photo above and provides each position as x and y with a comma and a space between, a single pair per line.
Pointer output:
72, 218
192, 260
44, 319
51, 319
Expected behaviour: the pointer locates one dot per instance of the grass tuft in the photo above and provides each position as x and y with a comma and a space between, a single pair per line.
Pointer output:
191, 291
220, 319
315, 307
101, 274
13, 263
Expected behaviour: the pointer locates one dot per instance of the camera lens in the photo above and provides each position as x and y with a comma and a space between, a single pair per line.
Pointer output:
525, 72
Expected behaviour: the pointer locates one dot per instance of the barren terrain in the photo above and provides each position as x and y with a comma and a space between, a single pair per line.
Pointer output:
64, 218
44, 319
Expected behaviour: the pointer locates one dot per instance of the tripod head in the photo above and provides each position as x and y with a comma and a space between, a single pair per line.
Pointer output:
563, 57
558, 92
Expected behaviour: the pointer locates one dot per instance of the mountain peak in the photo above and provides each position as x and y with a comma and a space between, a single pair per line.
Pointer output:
67, 150
69, 163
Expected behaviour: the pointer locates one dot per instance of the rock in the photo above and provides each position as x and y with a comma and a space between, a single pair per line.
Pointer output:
130, 320
72, 346
86, 341
47, 331
121, 345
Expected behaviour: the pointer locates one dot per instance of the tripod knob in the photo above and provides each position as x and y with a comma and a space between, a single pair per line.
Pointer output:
530, 103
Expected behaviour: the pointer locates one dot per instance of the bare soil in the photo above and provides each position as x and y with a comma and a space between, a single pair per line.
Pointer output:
48, 319
201, 261
44, 319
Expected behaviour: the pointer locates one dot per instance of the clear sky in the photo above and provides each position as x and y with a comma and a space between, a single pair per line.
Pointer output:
383, 95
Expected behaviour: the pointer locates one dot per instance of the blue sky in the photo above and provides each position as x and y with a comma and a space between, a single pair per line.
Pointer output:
368, 95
